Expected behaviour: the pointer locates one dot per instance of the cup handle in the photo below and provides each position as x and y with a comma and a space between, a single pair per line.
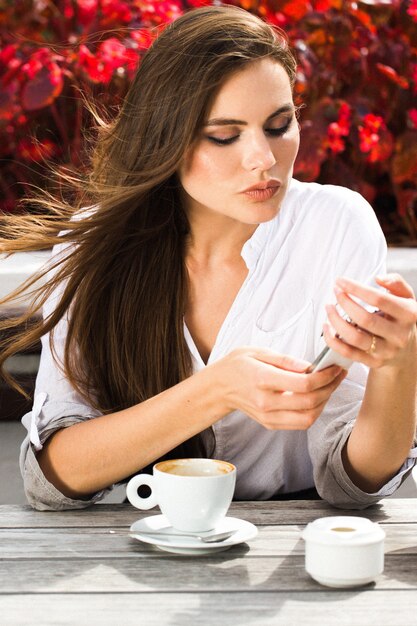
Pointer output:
132, 492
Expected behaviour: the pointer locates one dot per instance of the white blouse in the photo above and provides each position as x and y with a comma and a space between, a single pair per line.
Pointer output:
320, 233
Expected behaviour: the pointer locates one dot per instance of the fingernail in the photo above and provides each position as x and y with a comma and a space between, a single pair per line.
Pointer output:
337, 290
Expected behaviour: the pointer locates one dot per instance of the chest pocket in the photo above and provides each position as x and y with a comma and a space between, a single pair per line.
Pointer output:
294, 335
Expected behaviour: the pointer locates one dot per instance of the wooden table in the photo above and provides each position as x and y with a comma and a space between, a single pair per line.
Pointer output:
81, 567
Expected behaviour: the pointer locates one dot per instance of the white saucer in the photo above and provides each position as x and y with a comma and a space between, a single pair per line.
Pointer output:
189, 545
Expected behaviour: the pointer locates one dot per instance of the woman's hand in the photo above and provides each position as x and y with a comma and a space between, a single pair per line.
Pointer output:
383, 339
274, 389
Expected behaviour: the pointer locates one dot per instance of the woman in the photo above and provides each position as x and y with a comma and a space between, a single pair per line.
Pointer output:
186, 303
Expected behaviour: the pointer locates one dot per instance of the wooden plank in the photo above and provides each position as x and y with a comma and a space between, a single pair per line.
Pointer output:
322, 608
395, 510
401, 510
97, 543
99, 516
101, 543
182, 575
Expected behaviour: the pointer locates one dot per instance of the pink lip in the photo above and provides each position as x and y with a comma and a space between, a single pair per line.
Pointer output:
264, 185
263, 191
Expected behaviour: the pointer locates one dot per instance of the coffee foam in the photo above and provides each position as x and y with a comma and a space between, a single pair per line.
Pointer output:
195, 467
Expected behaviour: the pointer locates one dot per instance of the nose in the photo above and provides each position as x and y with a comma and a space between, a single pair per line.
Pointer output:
258, 154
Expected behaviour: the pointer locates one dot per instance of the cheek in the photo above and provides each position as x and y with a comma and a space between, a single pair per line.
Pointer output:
205, 164
291, 146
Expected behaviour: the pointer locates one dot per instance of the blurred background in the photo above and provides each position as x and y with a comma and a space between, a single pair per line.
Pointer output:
356, 81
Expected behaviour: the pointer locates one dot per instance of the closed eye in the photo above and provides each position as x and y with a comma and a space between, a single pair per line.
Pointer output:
277, 132
223, 142
273, 132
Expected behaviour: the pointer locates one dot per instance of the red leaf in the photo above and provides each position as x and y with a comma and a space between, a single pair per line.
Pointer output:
412, 114
382, 150
322, 5
36, 150
42, 90
296, 9
7, 53
392, 75
406, 198
412, 10
404, 162
311, 154
143, 38
86, 11
248, 4
8, 103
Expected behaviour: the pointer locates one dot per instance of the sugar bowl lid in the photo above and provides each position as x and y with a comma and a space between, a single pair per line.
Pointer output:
342, 530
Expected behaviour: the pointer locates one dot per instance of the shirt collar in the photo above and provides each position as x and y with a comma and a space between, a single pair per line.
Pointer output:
253, 247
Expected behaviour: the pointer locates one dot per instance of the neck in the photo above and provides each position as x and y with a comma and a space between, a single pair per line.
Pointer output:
216, 238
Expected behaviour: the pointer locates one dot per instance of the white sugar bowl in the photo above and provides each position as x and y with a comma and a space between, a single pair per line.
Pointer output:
344, 551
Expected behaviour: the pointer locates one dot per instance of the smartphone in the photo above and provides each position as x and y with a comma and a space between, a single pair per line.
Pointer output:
328, 357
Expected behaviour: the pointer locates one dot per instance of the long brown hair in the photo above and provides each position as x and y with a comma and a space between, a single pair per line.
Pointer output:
122, 272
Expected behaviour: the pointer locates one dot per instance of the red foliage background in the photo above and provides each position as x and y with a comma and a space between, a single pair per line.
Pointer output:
357, 78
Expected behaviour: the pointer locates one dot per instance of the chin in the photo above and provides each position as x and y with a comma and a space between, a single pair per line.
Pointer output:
265, 214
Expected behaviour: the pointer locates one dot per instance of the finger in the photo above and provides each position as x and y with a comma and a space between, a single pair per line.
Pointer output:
291, 420
276, 379
307, 401
372, 356
347, 332
282, 361
404, 309
286, 420
396, 285
363, 319
370, 326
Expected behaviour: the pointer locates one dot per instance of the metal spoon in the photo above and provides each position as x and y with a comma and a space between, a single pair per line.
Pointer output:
213, 538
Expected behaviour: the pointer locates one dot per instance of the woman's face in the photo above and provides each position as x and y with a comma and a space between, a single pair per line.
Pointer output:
242, 162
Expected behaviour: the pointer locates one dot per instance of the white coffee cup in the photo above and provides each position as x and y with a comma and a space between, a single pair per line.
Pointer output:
193, 494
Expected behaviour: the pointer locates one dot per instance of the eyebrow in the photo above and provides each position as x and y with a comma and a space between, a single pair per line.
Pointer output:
221, 121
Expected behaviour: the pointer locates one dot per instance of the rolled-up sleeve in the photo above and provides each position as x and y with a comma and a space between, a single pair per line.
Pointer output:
56, 405
40, 493
327, 438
